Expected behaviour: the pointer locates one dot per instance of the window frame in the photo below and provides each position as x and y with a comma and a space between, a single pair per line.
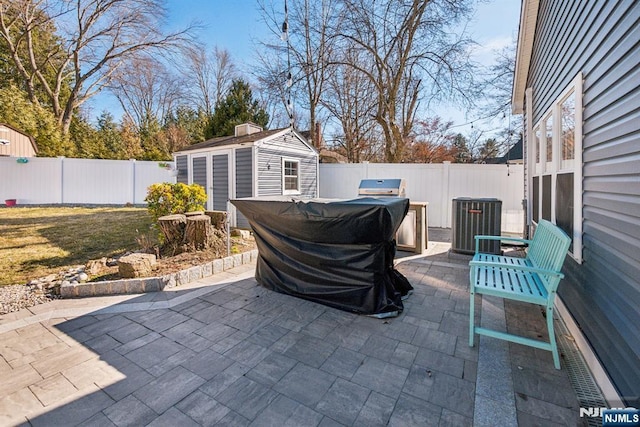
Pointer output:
284, 176
556, 165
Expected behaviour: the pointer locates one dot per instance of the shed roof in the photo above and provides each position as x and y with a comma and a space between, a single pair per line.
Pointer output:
222, 141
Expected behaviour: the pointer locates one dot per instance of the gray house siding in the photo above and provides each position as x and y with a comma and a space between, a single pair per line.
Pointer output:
600, 39
220, 181
244, 179
270, 172
182, 163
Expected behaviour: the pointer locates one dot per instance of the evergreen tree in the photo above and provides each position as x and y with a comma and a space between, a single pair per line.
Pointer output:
461, 149
35, 120
109, 137
489, 150
236, 108
84, 137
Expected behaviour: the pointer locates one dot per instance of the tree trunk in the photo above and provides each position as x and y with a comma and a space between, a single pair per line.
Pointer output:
172, 227
218, 219
198, 232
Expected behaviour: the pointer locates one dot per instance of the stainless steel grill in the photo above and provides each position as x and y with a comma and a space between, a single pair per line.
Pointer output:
382, 187
412, 233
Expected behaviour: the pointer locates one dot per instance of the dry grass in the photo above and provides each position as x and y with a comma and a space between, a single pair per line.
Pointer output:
37, 241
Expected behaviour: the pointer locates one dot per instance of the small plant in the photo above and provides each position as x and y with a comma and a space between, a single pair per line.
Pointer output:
146, 242
166, 199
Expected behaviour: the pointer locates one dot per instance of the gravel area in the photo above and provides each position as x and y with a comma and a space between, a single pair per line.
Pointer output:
17, 297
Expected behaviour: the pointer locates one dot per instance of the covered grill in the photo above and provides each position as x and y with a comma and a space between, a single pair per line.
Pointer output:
334, 252
412, 233
395, 187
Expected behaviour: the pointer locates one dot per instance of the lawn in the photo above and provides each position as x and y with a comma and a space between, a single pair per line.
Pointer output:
38, 241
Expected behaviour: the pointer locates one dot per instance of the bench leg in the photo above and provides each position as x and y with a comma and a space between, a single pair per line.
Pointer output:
471, 319
552, 339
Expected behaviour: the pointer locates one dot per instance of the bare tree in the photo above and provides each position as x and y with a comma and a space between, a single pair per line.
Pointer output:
270, 73
147, 91
95, 38
410, 54
499, 82
213, 73
310, 48
350, 98
432, 142
497, 89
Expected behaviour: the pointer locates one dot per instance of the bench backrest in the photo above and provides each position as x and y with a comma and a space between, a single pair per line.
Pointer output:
548, 250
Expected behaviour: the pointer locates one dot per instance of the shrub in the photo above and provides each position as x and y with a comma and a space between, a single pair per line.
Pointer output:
166, 199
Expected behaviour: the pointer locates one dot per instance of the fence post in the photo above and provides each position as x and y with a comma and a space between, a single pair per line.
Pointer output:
61, 179
133, 181
446, 196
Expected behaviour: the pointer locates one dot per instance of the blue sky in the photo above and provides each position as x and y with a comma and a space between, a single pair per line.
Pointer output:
237, 24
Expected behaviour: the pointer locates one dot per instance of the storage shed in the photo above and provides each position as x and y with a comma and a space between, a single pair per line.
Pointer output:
15, 143
251, 163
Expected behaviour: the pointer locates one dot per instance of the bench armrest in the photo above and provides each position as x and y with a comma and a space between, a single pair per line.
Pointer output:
516, 267
508, 239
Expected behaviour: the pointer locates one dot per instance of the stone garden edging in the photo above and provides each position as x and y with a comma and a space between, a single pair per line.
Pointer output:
159, 283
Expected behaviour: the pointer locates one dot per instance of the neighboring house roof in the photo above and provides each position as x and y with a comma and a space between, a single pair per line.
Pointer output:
326, 155
253, 138
33, 141
526, 33
514, 155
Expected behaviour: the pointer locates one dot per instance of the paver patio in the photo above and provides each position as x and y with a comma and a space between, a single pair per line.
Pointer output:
226, 351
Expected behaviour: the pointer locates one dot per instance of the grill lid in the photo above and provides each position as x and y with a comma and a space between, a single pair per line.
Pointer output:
382, 187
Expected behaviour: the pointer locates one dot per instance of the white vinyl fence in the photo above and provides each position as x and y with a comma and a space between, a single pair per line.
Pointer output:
44, 180
437, 184
87, 181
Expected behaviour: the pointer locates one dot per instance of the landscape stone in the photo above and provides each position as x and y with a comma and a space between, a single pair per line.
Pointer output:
227, 263
245, 234
136, 265
95, 265
218, 266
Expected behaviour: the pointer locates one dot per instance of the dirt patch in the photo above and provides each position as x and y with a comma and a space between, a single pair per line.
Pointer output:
172, 264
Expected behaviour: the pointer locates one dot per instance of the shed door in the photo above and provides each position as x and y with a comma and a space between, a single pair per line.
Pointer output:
244, 180
182, 164
220, 181
200, 176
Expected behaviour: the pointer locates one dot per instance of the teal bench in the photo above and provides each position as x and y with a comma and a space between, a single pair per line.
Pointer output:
533, 279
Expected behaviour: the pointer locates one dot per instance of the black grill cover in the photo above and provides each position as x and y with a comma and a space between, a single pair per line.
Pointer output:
334, 252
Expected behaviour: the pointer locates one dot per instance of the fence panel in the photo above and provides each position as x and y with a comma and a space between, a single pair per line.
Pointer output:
97, 181
437, 184
37, 181
79, 181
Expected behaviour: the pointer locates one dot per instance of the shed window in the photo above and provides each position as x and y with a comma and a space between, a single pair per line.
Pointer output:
290, 176
557, 187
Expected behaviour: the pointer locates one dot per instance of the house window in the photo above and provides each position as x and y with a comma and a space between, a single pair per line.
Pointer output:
290, 176
568, 130
548, 135
557, 144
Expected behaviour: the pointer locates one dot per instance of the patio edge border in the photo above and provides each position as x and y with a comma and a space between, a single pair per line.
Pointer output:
158, 283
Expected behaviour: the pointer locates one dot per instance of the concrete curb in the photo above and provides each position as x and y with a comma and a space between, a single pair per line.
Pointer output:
159, 283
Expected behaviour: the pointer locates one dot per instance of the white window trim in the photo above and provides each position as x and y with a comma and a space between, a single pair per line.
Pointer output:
554, 167
291, 192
